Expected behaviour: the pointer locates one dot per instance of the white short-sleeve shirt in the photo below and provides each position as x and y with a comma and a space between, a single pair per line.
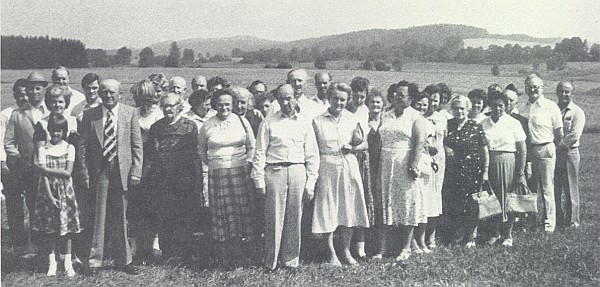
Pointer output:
503, 134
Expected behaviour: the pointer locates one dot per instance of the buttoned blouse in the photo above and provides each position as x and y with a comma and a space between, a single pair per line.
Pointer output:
334, 133
504, 134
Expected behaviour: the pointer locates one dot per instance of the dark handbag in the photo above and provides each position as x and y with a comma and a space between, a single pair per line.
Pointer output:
486, 202
521, 200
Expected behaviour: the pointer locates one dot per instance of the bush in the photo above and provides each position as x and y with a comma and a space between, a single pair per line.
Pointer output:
366, 65
270, 66
320, 64
496, 70
397, 65
381, 66
346, 66
556, 62
284, 65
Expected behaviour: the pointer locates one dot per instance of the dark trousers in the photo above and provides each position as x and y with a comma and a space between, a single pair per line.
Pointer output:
86, 200
19, 189
111, 207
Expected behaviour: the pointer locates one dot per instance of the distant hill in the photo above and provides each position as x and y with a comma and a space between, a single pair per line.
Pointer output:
432, 35
213, 45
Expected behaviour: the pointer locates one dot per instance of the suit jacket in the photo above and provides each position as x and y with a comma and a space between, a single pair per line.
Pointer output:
129, 144
18, 138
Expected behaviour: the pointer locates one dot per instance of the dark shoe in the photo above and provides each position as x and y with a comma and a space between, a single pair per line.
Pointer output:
129, 269
92, 271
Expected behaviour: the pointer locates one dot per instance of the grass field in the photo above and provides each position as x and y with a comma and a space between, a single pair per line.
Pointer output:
566, 258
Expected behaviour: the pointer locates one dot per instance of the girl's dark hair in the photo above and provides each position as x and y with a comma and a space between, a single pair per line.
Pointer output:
58, 122
478, 94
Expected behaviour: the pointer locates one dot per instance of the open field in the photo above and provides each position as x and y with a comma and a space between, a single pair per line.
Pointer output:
566, 258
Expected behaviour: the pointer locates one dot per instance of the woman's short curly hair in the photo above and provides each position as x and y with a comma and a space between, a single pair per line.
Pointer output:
55, 91
219, 93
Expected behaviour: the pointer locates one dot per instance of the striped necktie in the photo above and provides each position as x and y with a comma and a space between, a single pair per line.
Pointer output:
110, 138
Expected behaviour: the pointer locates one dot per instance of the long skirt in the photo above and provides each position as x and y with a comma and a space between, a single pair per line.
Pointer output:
231, 203
402, 194
365, 174
502, 174
432, 200
339, 196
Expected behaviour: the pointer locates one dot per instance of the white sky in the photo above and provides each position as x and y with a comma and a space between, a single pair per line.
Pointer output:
112, 24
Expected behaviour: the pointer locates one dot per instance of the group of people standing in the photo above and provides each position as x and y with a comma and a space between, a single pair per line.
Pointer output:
278, 166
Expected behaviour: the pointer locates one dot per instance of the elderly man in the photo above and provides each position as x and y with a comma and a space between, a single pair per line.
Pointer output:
297, 80
566, 176
14, 199
286, 165
19, 145
60, 76
545, 132
178, 86
111, 159
322, 81
199, 83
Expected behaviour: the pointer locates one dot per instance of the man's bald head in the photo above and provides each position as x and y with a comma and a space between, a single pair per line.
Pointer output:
286, 98
177, 85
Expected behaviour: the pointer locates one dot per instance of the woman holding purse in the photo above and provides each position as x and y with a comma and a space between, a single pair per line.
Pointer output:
507, 150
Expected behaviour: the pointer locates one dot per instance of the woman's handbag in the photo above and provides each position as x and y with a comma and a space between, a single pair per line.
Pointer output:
486, 203
521, 200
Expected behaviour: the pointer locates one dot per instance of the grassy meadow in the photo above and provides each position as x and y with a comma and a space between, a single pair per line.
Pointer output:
566, 258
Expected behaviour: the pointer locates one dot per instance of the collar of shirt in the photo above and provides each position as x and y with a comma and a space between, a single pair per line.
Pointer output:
570, 106
115, 110
295, 116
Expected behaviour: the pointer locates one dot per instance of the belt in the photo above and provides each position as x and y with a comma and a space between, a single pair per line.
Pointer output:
283, 164
542, 144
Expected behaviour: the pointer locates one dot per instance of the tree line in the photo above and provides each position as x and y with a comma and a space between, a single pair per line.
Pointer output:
20, 52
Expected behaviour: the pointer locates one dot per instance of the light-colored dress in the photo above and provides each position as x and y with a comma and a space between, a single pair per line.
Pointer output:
401, 193
436, 130
432, 203
46, 217
339, 195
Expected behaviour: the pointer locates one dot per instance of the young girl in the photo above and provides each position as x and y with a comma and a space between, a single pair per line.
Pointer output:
56, 213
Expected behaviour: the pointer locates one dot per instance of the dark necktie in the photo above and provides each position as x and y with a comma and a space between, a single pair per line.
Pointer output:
110, 138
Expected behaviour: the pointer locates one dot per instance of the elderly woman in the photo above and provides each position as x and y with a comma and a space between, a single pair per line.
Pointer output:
508, 151
402, 139
376, 103
478, 98
339, 202
466, 169
245, 108
146, 95
227, 147
435, 148
171, 159
358, 106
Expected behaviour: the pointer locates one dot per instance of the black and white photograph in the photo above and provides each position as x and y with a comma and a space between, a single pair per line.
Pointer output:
300, 143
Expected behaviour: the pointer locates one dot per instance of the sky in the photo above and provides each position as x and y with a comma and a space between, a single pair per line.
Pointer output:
112, 24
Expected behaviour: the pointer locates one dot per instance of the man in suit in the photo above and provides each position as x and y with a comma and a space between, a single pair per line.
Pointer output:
111, 164
18, 143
